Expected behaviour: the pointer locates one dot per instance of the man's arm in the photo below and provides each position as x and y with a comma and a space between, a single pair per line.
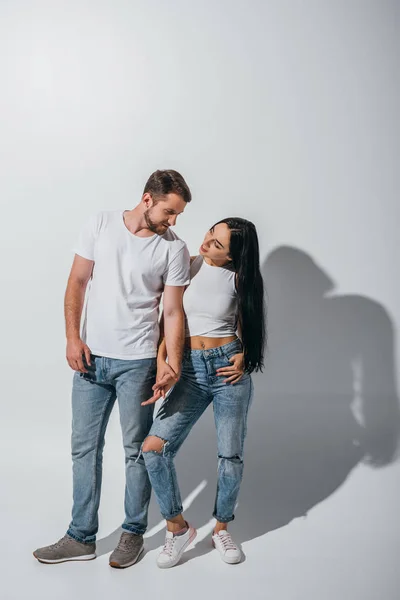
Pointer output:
176, 279
171, 344
168, 375
162, 347
81, 272
174, 325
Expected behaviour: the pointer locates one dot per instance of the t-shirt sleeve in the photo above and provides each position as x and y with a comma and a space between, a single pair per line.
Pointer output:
87, 238
178, 270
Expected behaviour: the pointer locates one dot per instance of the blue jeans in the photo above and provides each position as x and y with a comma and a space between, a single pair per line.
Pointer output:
93, 397
197, 388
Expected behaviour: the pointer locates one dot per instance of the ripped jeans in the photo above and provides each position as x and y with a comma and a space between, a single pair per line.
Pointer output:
197, 388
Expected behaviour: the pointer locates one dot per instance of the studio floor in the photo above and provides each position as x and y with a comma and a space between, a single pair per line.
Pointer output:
346, 546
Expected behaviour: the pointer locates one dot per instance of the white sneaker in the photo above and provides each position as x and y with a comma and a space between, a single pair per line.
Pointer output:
174, 547
229, 551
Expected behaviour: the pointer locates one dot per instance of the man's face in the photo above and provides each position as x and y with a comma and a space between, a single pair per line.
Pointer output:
162, 215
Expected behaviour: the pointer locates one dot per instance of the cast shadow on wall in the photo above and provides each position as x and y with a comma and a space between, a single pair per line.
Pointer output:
327, 400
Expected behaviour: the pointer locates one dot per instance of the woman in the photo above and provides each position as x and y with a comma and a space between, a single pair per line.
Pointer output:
225, 296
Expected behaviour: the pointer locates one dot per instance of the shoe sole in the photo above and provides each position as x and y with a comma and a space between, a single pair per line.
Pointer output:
48, 561
116, 565
232, 561
175, 562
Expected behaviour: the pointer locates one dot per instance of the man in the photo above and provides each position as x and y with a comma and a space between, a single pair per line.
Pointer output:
130, 257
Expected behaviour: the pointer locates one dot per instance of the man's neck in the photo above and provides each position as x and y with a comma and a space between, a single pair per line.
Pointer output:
135, 222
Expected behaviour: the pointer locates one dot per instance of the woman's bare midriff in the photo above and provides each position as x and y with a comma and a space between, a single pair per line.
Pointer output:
199, 342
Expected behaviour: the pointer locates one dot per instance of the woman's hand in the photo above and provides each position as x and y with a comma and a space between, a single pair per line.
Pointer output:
235, 372
166, 378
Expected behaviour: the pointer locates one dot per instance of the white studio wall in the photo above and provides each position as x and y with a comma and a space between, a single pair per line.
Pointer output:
285, 113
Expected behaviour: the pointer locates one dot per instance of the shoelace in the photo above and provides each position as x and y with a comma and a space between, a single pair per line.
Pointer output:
227, 542
126, 542
61, 542
169, 546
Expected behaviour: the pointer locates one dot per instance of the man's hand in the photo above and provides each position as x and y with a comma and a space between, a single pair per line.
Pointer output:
166, 378
76, 348
235, 372
165, 375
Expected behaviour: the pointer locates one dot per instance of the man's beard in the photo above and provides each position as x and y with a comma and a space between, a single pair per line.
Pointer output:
159, 228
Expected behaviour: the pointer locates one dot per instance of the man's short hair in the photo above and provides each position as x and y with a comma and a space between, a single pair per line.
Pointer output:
165, 182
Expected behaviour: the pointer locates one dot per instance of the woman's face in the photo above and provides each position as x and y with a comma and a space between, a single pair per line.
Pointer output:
216, 244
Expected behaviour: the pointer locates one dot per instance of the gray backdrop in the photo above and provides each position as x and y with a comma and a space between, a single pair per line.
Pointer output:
284, 112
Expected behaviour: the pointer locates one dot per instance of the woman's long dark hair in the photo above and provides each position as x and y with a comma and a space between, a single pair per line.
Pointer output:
245, 256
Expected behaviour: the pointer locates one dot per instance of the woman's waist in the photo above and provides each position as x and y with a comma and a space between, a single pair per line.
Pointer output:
200, 342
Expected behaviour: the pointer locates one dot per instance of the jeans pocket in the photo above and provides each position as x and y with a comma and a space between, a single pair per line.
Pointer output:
237, 349
91, 369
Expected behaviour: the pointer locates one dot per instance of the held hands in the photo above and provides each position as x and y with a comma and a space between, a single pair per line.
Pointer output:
76, 348
166, 378
235, 372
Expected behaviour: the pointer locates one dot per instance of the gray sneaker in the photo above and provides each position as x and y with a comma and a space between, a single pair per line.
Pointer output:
64, 550
128, 551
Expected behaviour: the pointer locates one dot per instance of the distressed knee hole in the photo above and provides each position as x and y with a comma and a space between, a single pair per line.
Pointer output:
235, 458
153, 444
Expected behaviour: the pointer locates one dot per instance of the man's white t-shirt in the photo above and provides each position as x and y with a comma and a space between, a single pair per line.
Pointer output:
129, 275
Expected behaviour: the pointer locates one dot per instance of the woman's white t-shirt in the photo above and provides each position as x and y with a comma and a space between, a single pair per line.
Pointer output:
129, 275
210, 301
